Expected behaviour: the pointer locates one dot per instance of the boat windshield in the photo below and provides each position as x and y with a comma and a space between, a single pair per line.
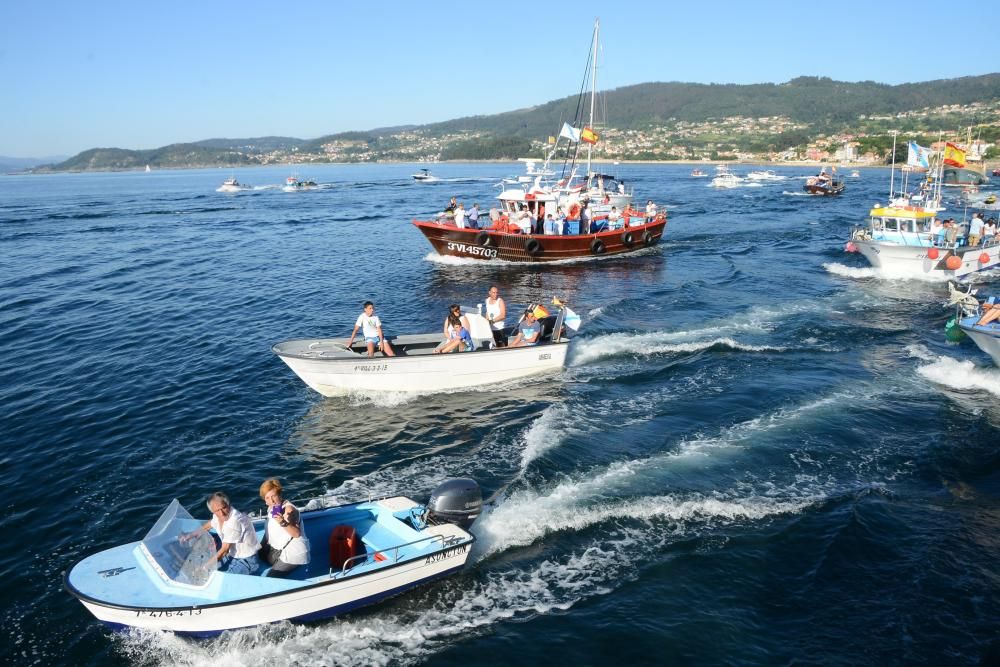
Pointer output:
189, 563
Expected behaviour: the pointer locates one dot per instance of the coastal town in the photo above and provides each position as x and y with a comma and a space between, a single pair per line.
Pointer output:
765, 139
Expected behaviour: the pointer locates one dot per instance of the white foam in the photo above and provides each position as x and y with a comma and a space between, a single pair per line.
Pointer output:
962, 375
880, 273
613, 345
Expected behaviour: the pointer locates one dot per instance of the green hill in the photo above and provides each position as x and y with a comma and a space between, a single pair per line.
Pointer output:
817, 104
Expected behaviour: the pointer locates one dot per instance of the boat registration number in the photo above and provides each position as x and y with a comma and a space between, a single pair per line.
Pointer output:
371, 368
447, 553
479, 251
543, 357
167, 613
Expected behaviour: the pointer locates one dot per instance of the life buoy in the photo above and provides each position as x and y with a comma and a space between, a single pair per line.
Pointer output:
647, 237
574, 212
483, 238
597, 247
533, 247
984, 258
660, 217
628, 239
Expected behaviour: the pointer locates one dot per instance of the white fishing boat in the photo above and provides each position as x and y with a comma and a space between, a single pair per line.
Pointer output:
332, 368
905, 239
725, 178
698, 173
293, 184
232, 185
359, 554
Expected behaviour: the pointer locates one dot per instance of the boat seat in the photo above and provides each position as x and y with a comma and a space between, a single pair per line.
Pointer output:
344, 545
548, 324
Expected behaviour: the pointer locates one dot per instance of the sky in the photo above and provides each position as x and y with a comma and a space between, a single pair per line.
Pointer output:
78, 75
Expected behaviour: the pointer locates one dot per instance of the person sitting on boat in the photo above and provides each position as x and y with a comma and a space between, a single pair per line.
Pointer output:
371, 328
238, 553
285, 544
456, 331
621, 187
650, 211
528, 331
991, 311
496, 311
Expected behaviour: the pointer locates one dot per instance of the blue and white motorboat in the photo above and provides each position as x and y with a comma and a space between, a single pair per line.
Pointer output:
970, 311
360, 554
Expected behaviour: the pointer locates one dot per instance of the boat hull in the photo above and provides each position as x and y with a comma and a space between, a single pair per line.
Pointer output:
424, 373
905, 261
823, 190
487, 245
986, 337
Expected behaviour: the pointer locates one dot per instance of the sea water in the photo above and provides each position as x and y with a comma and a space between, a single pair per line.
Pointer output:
760, 452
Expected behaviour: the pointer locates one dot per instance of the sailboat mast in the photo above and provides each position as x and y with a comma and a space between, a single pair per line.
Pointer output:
593, 89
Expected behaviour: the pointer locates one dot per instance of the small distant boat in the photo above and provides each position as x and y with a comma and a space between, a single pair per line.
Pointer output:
996, 172
855, 173
359, 554
764, 175
331, 368
824, 185
424, 176
293, 184
148, 169
698, 173
232, 185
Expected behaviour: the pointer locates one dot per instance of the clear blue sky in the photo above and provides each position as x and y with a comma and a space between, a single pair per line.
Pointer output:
78, 75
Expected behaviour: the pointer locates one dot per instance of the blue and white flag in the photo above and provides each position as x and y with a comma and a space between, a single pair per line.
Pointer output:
918, 156
570, 132
571, 319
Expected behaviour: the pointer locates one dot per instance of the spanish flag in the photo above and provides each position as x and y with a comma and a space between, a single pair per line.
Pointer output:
589, 136
540, 312
954, 155
552, 139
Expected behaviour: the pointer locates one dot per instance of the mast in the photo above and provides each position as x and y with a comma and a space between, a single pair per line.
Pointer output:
593, 91
892, 169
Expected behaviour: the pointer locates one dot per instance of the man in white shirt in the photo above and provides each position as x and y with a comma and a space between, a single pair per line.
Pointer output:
238, 553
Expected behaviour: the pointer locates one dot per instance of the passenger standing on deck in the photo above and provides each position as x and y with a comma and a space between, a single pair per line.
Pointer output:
496, 311
371, 327
585, 217
460, 216
614, 218
975, 229
650, 211
473, 218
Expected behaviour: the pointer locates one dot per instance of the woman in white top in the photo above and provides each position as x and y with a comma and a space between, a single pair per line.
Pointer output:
496, 311
285, 544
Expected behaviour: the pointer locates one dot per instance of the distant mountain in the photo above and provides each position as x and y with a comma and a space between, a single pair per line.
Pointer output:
14, 164
821, 104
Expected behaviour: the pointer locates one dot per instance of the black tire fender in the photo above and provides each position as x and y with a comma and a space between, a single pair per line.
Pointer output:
533, 247
483, 238
628, 239
597, 247
647, 237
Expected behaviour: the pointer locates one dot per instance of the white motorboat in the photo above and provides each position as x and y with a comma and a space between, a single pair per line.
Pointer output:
330, 367
293, 184
986, 336
765, 175
725, 178
232, 185
698, 173
360, 553
424, 176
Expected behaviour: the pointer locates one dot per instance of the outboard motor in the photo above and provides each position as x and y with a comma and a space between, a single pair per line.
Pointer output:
457, 501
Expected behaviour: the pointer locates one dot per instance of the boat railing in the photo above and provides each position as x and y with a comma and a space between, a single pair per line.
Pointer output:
446, 541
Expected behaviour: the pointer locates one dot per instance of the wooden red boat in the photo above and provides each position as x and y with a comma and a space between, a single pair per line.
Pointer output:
500, 244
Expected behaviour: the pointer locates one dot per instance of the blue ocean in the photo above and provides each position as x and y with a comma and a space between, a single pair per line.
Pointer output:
760, 451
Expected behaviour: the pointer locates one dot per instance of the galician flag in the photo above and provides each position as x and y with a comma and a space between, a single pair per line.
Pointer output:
954, 155
571, 319
918, 156
570, 132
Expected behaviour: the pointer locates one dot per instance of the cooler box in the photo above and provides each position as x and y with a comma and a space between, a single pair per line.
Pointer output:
572, 227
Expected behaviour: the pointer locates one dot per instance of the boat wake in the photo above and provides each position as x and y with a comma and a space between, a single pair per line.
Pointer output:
448, 260
962, 375
862, 273
617, 345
